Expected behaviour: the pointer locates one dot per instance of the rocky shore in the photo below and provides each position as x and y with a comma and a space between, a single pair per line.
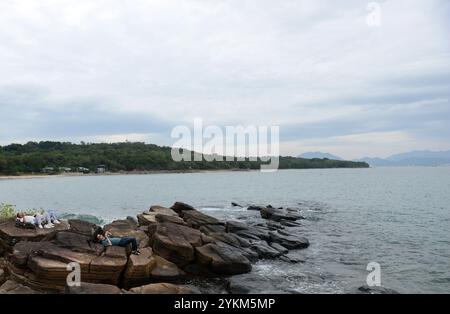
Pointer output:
181, 249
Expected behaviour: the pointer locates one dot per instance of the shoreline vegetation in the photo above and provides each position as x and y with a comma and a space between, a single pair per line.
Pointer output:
36, 159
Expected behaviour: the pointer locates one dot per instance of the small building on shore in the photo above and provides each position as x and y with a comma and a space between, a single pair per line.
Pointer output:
83, 170
101, 169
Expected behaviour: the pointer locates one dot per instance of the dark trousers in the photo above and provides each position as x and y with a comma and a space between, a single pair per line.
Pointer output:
128, 240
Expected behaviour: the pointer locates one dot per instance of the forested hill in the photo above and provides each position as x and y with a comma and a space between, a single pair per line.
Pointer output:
60, 156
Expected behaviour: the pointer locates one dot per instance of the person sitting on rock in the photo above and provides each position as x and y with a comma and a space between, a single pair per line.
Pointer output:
107, 239
45, 220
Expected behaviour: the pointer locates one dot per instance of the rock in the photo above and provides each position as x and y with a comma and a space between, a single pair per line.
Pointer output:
165, 270
12, 287
92, 288
162, 210
176, 242
248, 232
173, 219
279, 248
164, 288
252, 283
273, 225
207, 229
108, 267
82, 227
242, 245
146, 219
288, 223
276, 214
258, 208
376, 290
179, 207
10, 234
139, 267
127, 228
291, 259
235, 204
78, 242
196, 219
2, 276
288, 241
222, 259
264, 250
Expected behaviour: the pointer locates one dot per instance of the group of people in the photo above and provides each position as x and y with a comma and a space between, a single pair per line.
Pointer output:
48, 219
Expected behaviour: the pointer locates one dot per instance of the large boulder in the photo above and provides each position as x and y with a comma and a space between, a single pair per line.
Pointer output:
139, 268
222, 259
162, 210
290, 242
128, 228
176, 243
179, 207
82, 227
92, 288
77, 242
249, 232
197, 219
157, 214
165, 288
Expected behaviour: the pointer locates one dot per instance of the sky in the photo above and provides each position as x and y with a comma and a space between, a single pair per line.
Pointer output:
108, 71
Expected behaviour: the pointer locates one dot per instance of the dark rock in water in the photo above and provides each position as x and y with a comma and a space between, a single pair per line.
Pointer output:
264, 250
288, 241
250, 283
179, 207
273, 225
278, 214
376, 290
279, 248
242, 245
196, 219
176, 242
253, 207
165, 288
248, 232
235, 204
222, 259
12, 287
92, 288
291, 259
288, 223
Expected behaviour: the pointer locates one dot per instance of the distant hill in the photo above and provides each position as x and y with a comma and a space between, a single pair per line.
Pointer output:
54, 157
311, 155
414, 158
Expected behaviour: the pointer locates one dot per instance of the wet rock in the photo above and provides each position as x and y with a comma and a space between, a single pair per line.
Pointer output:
250, 283
248, 232
179, 207
276, 214
273, 225
288, 258
176, 242
235, 204
12, 287
253, 207
165, 288
279, 248
92, 288
127, 228
376, 290
222, 259
197, 219
242, 245
289, 241
264, 250
288, 223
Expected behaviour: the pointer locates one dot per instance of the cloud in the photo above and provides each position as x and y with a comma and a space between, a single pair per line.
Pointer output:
112, 69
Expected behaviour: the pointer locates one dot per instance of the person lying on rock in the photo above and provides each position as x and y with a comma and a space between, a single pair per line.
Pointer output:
46, 220
107, 239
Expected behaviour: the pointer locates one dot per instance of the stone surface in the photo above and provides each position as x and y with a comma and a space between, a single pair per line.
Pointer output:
376, 290
81, 226
2, 276
179, 207
164, 288
176, 242
289, 241
12, 287
139, 267
92, 288
222, 259
277, 214
165, 270
128, 228
196, 219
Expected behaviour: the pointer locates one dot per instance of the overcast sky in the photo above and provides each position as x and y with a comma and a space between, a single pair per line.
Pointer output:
131, 70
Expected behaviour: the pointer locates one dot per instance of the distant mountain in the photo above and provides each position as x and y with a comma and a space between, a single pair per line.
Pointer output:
311, 155
415, 158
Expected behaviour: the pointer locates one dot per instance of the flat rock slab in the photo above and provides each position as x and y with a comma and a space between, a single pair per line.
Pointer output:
12, 287
179, 207
92, 288
196, 219
277, 214
288, 241
11, 234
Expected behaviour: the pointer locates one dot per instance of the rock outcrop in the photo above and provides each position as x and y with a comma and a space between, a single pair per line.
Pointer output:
177, 245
